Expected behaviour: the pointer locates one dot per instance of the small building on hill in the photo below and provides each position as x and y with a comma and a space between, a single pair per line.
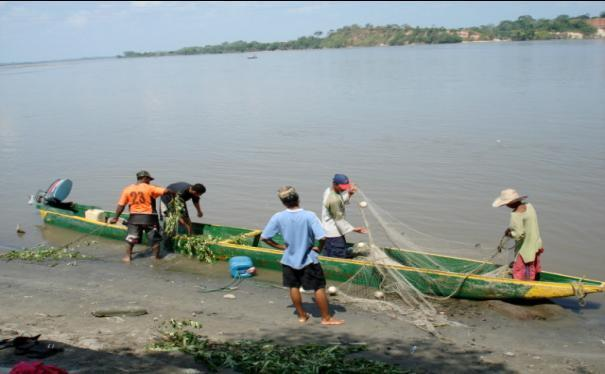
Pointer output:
599, 23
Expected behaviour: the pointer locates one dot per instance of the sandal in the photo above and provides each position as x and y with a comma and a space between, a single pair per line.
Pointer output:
43, 350
23, 343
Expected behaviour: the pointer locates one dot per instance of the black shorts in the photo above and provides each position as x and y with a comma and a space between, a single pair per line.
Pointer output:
311, 277
140, 223
336, 247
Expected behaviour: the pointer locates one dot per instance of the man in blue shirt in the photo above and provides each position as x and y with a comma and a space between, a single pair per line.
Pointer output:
300, 229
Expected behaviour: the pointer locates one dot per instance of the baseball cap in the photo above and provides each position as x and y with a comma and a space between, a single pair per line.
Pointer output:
144, 173
342, 181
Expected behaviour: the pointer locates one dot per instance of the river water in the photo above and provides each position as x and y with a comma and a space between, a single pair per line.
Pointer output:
432, 133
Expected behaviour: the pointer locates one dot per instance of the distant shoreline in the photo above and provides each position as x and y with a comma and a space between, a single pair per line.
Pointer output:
32, 63
525, 28
29, 63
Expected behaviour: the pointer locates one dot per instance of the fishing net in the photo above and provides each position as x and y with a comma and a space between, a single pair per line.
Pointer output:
402, 277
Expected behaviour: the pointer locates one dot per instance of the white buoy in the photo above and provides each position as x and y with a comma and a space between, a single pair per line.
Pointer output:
363, 204
332, 290
379, 295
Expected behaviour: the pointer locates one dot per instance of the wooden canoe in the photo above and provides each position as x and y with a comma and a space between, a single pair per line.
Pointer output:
430, 278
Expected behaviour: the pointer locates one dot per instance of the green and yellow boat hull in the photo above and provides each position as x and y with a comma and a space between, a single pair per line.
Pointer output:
429, 277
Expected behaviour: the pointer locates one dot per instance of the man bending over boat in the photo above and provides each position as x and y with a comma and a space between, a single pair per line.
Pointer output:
300, 264
333, 217
140, 198
524, 229
186, 192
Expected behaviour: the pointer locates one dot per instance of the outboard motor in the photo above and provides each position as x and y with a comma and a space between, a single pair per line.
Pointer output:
58, 191
55, 194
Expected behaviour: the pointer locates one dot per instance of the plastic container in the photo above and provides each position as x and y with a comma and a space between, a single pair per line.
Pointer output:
241, 267
95, 215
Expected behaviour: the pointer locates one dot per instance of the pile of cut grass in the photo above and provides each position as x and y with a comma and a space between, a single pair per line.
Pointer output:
265, 356
39, 254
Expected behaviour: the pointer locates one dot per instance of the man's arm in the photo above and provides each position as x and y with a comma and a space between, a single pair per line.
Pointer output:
516, 229
352, 190
344, 227
274, 244
119, 210
318, 248
196, 204
185, 221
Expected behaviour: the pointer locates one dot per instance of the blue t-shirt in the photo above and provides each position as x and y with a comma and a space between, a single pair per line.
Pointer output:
300, 229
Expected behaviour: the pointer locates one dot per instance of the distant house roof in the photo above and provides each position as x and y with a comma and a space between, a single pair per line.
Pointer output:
597, 22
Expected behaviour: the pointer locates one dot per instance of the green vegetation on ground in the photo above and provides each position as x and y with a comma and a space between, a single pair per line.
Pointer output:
265, 356
524, 28
40, 254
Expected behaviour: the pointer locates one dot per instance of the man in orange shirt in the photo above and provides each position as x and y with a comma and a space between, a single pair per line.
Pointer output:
140, 197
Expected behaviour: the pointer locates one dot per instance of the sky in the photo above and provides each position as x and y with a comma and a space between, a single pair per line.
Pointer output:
41, 31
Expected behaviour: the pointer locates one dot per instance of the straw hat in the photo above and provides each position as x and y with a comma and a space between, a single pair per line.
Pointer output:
506, 197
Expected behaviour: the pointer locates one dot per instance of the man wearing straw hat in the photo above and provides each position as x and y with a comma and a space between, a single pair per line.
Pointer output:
524, 229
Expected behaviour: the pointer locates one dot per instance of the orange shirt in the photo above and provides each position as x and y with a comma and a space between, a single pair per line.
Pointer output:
139, 197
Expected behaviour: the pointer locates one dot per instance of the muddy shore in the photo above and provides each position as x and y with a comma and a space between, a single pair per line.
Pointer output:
56, 299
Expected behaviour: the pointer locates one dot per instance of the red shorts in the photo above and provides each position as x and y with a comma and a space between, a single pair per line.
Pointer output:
527, 270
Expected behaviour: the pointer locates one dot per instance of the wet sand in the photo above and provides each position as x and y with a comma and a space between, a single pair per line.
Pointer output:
56, 299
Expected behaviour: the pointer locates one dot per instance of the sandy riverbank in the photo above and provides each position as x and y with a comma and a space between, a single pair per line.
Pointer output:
57, 300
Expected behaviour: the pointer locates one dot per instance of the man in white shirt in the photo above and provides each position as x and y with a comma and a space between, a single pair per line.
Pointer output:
333, 217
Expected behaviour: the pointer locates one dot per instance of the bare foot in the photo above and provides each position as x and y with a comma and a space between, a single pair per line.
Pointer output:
304, 319
332, 322
126, 259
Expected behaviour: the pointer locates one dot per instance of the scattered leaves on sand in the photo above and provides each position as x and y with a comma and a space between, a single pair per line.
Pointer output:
264, 356
40, 254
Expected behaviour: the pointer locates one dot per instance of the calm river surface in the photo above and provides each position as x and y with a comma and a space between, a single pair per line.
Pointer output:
432, 133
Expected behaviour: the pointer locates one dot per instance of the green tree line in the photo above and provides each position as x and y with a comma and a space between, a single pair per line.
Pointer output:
524, 28
528, 28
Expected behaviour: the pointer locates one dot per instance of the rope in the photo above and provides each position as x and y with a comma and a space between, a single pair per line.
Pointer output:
231, 286
578, 290
83, 237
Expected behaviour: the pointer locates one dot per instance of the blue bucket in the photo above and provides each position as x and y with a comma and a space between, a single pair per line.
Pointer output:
239, 267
